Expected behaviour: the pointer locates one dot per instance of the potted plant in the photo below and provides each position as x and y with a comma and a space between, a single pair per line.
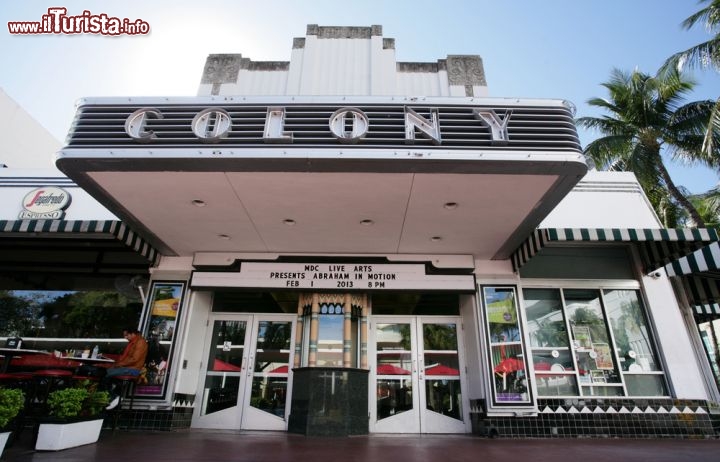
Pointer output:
11, 402
75, 418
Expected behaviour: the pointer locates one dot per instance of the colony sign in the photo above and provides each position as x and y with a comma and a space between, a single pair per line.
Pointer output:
47, 203
334, 276
348, 125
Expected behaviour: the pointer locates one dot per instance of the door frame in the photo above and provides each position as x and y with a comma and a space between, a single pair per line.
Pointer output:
424, 424
235, 417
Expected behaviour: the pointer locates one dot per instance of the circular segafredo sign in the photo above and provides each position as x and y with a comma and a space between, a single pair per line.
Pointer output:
47, 202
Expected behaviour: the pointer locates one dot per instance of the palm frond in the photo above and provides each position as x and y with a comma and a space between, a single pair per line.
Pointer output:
710, 16
687, 132
711, 140
701, 56
608, 149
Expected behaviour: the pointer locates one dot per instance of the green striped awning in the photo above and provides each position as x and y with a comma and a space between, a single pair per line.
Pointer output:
705, 259
98, 228
657, 247
703, 294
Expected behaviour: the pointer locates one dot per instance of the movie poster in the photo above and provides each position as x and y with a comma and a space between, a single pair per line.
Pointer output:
165, 305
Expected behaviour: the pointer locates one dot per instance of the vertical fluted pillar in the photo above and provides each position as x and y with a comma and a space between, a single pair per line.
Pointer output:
347, 331
364, 332
299, 333
314, 331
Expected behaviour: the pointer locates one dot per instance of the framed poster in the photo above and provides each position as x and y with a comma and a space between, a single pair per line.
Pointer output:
598, 376
510, 385
603, 357
163, 311
581, 337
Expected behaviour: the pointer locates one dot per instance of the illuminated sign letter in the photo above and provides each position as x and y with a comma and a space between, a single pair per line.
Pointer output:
135, 124
498, 128
211, 125
275, 127
349, 125
414, 120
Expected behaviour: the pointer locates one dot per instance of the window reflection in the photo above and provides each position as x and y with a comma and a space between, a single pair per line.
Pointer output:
394, 396
591, 342
632, 336
590, 337
272, 363
710, 333
330, 339
68, 320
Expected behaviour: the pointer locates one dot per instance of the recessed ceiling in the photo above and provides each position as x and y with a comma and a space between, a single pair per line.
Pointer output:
249, 211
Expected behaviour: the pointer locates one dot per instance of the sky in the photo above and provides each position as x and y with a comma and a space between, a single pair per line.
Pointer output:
530, 48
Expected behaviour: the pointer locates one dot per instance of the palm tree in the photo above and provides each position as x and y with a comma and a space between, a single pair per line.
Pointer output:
646, 119
702, 55
708, 206
671, 214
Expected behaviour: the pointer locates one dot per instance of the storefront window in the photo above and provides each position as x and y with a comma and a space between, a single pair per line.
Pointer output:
549, 343
710, 333
596, 364
633, 344
595, 340
68, 319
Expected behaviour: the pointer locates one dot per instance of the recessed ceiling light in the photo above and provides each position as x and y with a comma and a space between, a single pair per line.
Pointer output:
289, 222
198, 203
224, 237
367, 222
450, 205
436, 238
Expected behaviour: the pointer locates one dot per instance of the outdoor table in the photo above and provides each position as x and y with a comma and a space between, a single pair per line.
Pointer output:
9, 353
98, 360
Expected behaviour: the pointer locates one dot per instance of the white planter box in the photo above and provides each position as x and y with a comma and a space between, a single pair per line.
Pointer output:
3, 440
54, 437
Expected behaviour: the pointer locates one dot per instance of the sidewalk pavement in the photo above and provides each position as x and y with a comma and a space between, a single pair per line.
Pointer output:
223, 445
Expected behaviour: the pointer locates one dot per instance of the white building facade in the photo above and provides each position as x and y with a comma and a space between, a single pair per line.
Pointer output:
359, 245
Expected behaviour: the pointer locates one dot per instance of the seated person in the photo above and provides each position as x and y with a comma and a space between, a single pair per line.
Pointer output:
130, 362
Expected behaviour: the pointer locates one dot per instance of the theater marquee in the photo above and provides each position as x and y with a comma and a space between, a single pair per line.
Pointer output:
334, 276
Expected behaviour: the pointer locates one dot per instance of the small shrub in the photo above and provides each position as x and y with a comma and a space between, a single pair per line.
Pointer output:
71, 403
66, 403
11, 402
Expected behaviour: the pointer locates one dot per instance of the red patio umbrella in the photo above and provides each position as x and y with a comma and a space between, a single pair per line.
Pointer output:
508, 366
391, 369
441, 369
280, 370
222, 366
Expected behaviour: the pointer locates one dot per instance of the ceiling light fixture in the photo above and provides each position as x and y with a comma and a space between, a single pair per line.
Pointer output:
450, 205
436, 238
289, 222
224, 237
198, 203
367, 222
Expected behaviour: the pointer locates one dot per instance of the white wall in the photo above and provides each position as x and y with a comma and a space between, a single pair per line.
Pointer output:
681, 366
604, 200
25, 143
193, 344
363, 65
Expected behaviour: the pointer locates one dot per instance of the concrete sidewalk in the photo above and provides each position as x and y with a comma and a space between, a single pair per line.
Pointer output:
220, 445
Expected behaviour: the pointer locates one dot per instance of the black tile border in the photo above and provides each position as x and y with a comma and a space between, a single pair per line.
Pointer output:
605, 418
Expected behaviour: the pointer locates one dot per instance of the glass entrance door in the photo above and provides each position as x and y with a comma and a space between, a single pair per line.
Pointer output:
246, 373
418, 378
